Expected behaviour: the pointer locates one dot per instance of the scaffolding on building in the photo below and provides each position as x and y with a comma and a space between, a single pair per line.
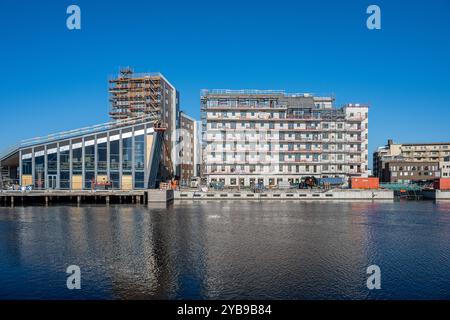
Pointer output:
133, 95
295, 107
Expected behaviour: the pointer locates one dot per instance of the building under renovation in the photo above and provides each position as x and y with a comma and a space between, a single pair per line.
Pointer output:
268, 137
141, 94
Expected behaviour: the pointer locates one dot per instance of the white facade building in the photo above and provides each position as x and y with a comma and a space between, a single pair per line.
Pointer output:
268, 137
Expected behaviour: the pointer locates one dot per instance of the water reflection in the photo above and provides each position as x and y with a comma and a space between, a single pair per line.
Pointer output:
227, 250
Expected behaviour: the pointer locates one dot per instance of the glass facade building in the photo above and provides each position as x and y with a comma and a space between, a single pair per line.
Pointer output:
118, 157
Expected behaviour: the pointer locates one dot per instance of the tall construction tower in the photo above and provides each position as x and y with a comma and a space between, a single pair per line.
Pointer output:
140, 94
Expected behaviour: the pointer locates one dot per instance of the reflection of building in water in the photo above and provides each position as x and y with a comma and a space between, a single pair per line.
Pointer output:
135, 270
163, 255
157, 255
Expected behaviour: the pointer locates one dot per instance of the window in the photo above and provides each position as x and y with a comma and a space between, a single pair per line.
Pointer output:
27, 167
115, 180
64, 175
52, 163
139, 182
39, 172
114, 155
139, 146
102, 158
64, 180
77, 161
89, 158
64, 157
127, 154
89, 178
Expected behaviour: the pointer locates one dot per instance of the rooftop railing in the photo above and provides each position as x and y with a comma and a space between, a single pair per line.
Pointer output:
79, 132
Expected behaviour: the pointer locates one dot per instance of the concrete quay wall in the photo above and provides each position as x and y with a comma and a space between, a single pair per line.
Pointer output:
336, 194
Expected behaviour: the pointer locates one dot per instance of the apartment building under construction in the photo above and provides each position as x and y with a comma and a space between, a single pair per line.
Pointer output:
254, 136
135, 95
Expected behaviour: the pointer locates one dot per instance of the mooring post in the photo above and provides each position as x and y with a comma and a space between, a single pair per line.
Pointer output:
12, 202
46, 201
107, 200
78, 200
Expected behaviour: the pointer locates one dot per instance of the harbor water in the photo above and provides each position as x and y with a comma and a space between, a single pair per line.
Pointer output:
227, 250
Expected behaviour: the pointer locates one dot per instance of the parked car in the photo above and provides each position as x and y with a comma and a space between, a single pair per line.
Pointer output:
195, 182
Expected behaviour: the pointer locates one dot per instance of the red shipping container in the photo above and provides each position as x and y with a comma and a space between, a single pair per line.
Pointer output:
365, 183
442, 184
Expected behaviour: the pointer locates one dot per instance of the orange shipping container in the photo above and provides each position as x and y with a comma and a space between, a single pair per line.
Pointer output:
442, 184
365, 183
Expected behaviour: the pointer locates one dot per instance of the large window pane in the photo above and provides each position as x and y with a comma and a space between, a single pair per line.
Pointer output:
127, 151
89, 178
115, 180
89, 158
139, 180
64, 160
27, 167
139, 153
64, 176
64, 180
114, 155
39, 169
52, 163
77, 161
102, 156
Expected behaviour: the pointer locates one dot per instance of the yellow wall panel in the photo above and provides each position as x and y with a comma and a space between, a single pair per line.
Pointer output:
127, 182
102, 179
27, 180
77, 182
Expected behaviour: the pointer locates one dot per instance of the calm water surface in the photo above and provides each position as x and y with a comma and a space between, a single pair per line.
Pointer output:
227, 250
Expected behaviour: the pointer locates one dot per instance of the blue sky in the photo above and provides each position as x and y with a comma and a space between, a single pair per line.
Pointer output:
54, 79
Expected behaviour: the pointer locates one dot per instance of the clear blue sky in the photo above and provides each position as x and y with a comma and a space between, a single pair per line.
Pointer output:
53, 79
